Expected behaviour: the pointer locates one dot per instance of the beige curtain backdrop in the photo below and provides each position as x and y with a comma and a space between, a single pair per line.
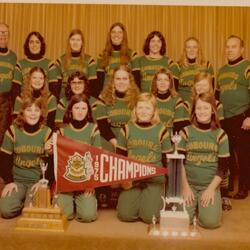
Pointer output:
211, 25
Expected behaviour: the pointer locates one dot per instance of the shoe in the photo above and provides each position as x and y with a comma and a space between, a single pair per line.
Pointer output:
226, 204
241, 195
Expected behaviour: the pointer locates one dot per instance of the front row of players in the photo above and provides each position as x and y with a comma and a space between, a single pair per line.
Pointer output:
126, 117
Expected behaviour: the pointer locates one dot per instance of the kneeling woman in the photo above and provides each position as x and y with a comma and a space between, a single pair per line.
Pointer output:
80, 127
142, 199
24, 144
207, 154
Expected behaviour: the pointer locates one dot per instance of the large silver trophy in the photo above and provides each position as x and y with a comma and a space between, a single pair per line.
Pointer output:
174, 219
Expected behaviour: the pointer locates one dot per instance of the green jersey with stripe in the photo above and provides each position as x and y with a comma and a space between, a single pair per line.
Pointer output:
149, 66
89, 134
114, 62
233, 83
203, 148
145, 144
24, 66
7, 66
27, 149
186, 78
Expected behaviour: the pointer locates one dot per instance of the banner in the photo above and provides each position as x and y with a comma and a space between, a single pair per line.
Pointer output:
79, 166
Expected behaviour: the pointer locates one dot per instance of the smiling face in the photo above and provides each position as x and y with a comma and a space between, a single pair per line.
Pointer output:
116, 35
76, 42
4, 36
32, 114
162, 83
34, 45
79, 111
37, 80
144, 111
155, 45
121, 81
203, 111
77, 86
192, 49
202, 86
233, 49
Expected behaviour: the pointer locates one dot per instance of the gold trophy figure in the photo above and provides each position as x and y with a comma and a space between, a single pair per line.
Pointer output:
40, 214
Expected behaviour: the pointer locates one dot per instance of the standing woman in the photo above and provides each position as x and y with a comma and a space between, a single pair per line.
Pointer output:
75, 59
207, 155
34, 50
25, 142
145, 139
80, 127
115, 53
36, 87
154, 59
191, 63
171, 109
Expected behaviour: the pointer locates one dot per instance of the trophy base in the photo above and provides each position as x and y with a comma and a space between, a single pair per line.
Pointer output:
42, 219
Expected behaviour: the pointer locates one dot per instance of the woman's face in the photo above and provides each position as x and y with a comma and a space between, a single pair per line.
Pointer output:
203, 111
155, 45
162, 83
79, 111
75, 42
144, 111
77, 86
32, 114
116, 35
34, 45
121, 81
192, 49
37, 80
202, 86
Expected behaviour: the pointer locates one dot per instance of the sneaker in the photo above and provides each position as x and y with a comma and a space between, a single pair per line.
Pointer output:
226, 204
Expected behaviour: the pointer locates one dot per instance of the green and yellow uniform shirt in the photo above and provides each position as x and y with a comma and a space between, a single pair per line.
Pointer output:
114, 62
233, 83
7, 66
149, 66
186, 78
203, 148
27, 149
88, 67
24, 66
145, 144
88, 134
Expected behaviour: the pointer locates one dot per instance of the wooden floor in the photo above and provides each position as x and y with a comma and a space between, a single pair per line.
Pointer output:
110, 234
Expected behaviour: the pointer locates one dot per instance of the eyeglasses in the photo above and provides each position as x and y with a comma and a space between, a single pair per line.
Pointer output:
77, 82
4, 33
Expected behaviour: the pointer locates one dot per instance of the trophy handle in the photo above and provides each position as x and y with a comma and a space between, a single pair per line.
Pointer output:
164, 203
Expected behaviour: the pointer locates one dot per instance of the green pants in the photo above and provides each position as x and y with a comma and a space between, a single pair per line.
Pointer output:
208, 217
78, 205
141, 202
11, 206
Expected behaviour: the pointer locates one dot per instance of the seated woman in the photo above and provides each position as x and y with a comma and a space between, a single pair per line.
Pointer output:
80, 127
145, 139
207, 155
25, 142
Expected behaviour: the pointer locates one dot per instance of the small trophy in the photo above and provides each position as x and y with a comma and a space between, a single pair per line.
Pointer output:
174, 222
40, 214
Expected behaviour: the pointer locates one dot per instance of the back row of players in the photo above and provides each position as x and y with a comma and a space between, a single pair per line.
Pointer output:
113, 89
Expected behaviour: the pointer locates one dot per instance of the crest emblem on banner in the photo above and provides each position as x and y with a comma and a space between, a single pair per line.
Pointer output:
79, 168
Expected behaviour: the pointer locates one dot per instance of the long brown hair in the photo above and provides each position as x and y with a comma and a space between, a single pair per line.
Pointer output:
68, 54
164, 71
206, 97
108, 93
148, 39
124, 58
28, 102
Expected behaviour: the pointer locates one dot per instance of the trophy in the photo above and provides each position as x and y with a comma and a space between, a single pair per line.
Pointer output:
174, 219
40, 214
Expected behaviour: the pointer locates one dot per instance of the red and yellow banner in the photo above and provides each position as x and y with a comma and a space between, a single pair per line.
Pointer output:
79, 166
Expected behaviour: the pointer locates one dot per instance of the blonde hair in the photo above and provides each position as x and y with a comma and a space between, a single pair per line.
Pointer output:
108, 93
200, 61
146, 97
172, 90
